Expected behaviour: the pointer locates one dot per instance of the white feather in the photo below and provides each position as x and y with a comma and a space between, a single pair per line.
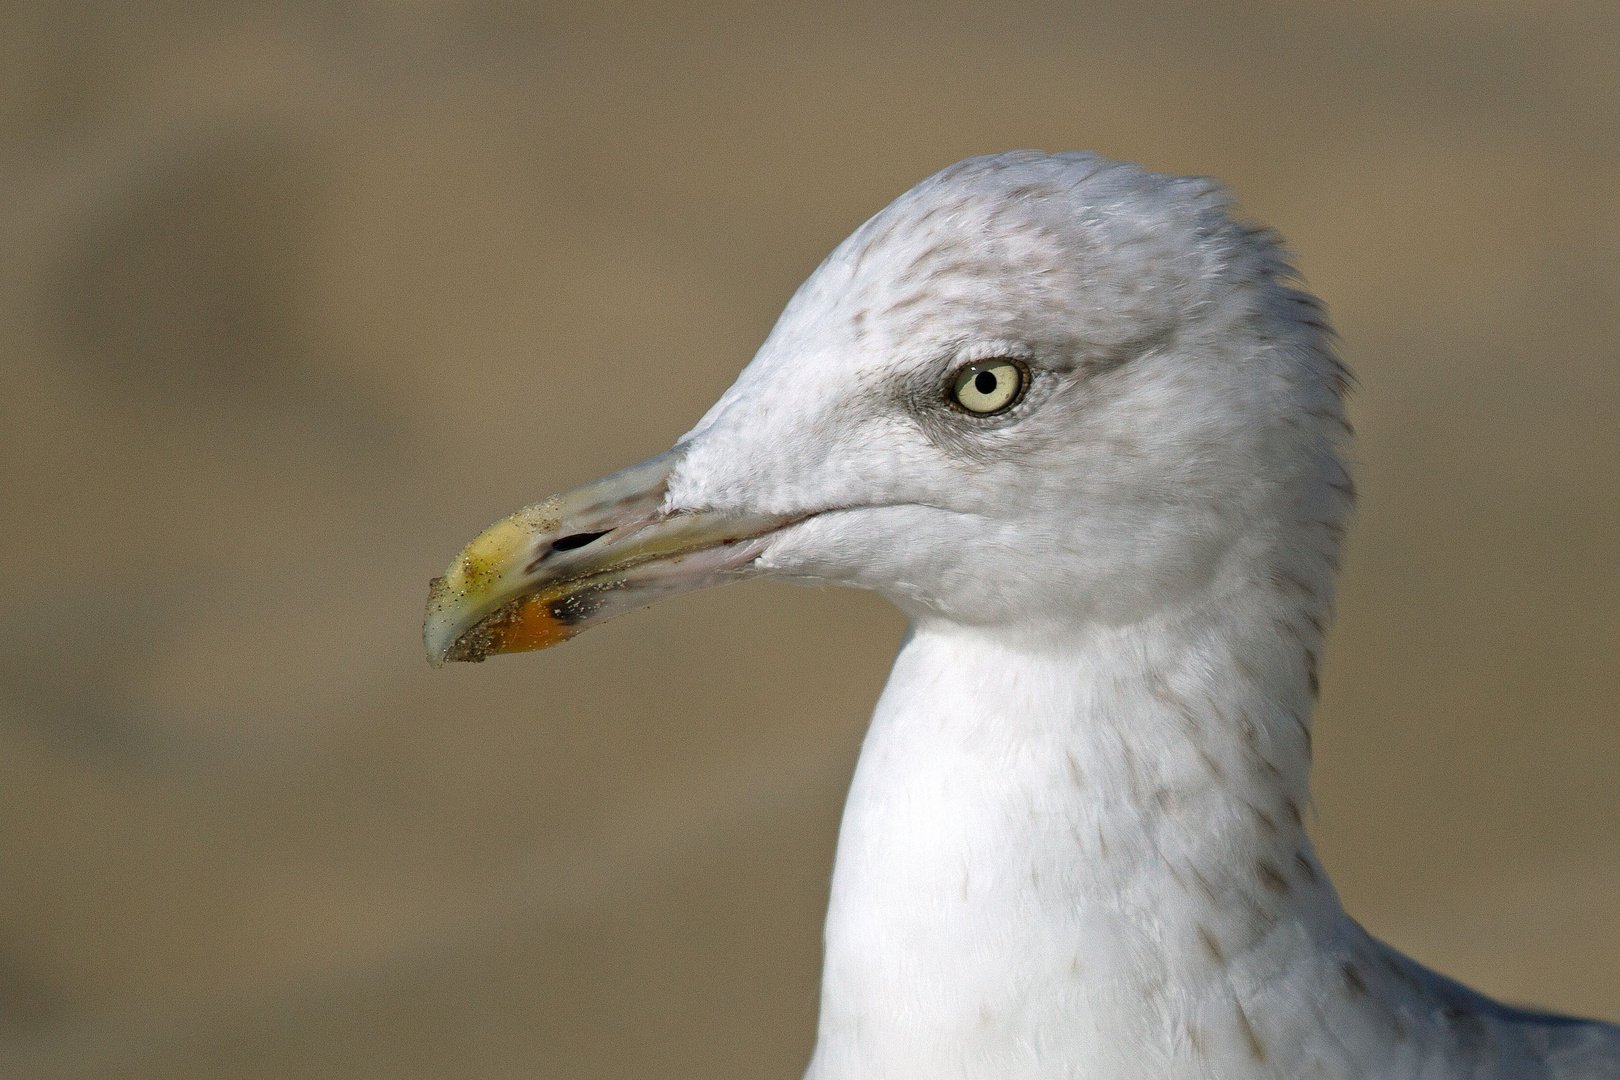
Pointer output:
1073, 846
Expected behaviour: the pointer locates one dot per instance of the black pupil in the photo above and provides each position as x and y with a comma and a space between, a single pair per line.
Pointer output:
984, 382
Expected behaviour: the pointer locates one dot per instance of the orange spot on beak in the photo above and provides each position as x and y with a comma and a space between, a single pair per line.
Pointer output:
523, 624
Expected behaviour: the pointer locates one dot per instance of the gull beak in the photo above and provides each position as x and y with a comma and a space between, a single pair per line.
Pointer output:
552, 569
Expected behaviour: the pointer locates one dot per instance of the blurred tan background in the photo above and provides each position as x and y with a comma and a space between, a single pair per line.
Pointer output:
295, 298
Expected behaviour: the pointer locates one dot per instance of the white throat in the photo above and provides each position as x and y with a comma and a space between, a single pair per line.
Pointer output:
1081, 859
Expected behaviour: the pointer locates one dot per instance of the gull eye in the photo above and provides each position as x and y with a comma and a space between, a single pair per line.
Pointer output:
989, 386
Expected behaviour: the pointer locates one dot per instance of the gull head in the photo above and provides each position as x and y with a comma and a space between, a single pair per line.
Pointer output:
1036, 394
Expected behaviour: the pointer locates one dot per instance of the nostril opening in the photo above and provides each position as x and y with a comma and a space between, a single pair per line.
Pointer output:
577, 540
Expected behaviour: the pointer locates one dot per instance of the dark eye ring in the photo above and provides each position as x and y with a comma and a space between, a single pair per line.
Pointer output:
988, 387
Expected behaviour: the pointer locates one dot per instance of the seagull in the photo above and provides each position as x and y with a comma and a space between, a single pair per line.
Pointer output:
1085, 428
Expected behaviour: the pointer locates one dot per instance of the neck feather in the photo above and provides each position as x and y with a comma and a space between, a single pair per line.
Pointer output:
1042, 843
